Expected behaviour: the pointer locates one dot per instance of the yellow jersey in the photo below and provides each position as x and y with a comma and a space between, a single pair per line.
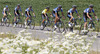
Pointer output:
45, 11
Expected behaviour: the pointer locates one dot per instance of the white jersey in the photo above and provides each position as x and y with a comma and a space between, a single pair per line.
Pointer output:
5, 9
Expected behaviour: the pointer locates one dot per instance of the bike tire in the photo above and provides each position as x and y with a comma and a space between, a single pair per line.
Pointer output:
20, 23
61, 28
65, 29
40, 23
32, 25
2, 24
7, 23
49, 25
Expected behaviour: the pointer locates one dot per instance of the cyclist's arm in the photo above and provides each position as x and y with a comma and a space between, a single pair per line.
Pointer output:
71, 15
78, 15
21, 11
16, 12
9, 12
95, 15
56, 15
51, 15
88, 15
45, 14
62, 13
33, 14
4, 12
28, 13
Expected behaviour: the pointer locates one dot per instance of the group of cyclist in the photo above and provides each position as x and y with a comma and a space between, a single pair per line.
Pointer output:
17, 14
54, 13
86, 14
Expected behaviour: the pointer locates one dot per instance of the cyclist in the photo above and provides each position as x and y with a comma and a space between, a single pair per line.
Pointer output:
56, 15
86, 15
5, 12
44, 14
28, 15
70, 14
16, 13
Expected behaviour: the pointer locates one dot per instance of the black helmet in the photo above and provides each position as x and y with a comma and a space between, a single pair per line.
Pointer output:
47, 7
74, 6
18, 5
59, 6
91, 5
30, 6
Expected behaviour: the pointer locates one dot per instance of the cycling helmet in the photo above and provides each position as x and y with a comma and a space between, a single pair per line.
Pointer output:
59, 6
74, 6
30, 6
18, 5
6, 6
91, 5
47, 7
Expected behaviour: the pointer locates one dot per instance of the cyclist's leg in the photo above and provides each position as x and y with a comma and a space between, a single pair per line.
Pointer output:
16, 16
85, 20
26, 20
15, 22
43, 18
27, 17
56, 20
70, 20
4, 16
69, 17
30, 17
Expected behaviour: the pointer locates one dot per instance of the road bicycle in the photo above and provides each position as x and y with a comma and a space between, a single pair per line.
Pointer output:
60, 25
30, 23
18, 22
46, 24
5, 21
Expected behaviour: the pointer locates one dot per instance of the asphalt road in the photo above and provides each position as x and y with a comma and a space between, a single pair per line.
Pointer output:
43, 34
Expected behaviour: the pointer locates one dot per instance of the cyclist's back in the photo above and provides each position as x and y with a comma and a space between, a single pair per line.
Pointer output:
88, 11
5, 10
71, 11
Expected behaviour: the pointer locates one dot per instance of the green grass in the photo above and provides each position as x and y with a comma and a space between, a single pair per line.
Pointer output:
39, 5
7, 36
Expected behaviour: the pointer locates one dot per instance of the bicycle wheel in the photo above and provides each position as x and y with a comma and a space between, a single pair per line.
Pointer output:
19, 23
41, 26
7, 22
13, 22
23, 25
32, 25
53, 24
65, 29
48, 25
2, 23
60, 26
